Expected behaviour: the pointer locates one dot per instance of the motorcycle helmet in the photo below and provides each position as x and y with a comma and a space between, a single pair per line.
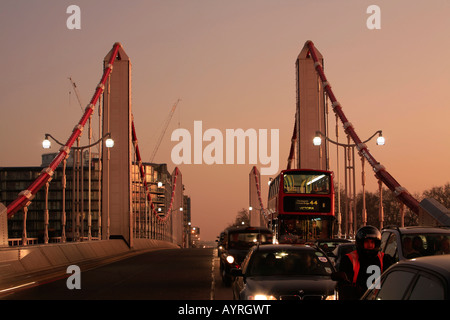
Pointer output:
368, 232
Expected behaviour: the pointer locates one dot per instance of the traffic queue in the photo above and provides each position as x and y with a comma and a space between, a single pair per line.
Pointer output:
409, 263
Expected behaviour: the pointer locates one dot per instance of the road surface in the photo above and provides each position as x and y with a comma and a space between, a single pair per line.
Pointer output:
172, 274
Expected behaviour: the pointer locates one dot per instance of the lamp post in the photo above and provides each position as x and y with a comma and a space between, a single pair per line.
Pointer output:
46, 144
109, 142
350, 166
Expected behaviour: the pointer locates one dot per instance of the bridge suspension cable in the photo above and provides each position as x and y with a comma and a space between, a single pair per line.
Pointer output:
380, 171
258, 190
26, 196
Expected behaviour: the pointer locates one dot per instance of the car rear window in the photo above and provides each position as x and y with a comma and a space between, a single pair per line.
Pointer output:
238, 240
289, 263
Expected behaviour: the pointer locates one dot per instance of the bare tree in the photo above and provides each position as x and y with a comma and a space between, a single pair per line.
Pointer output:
440, 194
242, 218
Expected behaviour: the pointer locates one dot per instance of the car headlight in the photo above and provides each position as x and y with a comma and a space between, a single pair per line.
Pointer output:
230, 259
331, 297
261, 297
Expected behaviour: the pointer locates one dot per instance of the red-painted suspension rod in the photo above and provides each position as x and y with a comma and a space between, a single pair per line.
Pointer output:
292, 150
25, 197
380, 172
258, 189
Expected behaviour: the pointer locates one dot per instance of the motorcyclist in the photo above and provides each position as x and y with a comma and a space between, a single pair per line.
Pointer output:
357, 266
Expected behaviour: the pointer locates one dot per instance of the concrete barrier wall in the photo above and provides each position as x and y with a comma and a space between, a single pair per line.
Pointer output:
17, 262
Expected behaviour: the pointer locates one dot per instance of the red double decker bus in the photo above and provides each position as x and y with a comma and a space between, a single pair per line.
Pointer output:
301, 205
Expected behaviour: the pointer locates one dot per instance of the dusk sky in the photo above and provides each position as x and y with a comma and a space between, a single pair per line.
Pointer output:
232, 64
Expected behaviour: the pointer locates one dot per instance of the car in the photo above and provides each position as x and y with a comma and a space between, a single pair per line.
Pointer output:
329, 245
220, 243
340, 251
284, 272
423, 278
415, 241
235, 243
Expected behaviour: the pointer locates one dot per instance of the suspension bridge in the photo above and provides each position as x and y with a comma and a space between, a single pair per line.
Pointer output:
302, 155
140, 206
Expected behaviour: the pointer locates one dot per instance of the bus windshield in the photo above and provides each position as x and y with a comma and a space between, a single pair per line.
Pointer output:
306, 183
300, 229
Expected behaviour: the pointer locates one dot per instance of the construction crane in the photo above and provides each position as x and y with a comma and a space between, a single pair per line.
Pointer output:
166, 124
81, 105
76, 92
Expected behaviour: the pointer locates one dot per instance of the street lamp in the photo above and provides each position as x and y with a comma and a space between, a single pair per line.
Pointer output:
317, 141
380, 140
46, 144
109, 142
